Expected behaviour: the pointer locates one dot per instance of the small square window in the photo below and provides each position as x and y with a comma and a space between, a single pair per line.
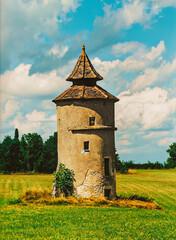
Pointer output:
86, 146
91, 121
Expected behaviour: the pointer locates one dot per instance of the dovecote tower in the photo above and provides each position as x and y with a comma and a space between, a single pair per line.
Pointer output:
85, 125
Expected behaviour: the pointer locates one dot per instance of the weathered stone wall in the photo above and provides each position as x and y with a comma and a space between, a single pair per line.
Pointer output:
88, 166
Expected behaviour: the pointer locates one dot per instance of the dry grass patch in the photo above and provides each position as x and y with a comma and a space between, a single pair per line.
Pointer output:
131, 171
38, 196
35, 194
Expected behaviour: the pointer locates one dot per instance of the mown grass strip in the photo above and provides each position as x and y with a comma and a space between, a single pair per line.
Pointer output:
68, 222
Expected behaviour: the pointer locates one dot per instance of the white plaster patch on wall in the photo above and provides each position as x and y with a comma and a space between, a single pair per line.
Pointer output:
92, 185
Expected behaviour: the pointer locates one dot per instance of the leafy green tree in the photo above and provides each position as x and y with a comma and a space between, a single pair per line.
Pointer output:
118, 162
23, 158
16, 151
10, 153
5, 154
124, 168
34, 151
1, 158
16, 155
64, 179
121, 166
171, 161
49, 163
8, 162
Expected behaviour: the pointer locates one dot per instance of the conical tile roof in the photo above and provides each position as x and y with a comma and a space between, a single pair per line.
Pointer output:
84, 78
84, 69
85, 92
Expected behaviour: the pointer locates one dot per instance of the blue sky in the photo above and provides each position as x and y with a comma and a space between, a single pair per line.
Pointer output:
131, 43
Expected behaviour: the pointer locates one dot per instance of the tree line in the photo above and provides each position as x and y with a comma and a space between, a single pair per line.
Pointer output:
28, 154
123, 166
32, 154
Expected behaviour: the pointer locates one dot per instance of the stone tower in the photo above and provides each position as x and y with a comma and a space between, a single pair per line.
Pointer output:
85, 125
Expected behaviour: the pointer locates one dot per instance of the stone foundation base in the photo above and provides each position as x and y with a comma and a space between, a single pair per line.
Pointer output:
93, 185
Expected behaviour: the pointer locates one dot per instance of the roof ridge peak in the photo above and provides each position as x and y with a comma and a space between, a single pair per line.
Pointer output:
83, 49
84, 69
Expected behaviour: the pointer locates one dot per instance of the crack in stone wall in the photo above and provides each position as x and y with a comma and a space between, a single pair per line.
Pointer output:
92, 185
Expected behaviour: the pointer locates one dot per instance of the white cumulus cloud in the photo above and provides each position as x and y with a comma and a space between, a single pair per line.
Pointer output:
25, 126
36, 116
35, 122
123, 17
19, 82
150, 108
156, 51
140, 59
10, 108
26, 23
152, 75
58, 50
127, 47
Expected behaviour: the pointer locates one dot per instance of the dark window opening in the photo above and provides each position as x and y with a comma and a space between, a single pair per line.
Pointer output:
91, 121
86, 146
113, 166
107, 193
106, 162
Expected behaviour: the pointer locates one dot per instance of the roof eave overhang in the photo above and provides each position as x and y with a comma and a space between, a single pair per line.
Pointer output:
83, 79
85, 99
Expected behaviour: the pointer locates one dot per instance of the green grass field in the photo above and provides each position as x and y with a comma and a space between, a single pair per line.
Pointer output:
158, 184
69, 222
11, 186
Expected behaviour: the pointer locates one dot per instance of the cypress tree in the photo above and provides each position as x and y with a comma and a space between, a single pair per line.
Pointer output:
16, 135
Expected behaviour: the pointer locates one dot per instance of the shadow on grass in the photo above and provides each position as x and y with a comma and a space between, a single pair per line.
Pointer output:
135, 197
9, 201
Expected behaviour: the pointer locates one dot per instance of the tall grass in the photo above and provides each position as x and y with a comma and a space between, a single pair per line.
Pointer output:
159, 185
11, 186
36, 196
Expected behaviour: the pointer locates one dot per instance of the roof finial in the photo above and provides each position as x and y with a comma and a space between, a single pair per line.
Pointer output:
83, 48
